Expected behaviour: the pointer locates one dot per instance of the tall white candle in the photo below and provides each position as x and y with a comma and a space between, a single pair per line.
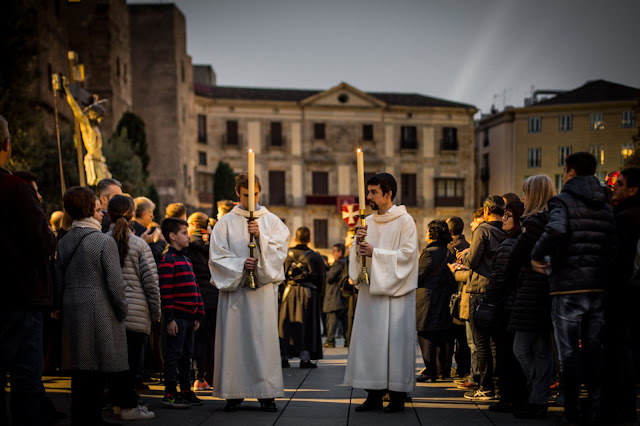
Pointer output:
252, 180
361, 203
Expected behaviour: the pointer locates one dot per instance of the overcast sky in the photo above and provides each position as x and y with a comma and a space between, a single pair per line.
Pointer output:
474, 51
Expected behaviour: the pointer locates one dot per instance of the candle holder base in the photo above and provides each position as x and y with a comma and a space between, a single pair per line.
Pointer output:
363, 278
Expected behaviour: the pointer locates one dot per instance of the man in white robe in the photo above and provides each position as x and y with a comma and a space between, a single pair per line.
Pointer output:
382, 352
247, 352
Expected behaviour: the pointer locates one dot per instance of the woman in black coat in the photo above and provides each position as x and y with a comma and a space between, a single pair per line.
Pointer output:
531, 313
435, 287
500, 293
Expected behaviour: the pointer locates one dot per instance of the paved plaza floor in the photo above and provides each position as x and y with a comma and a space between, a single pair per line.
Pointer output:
317, 397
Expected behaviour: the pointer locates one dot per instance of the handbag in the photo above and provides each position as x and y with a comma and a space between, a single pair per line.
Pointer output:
454, 305
486, 315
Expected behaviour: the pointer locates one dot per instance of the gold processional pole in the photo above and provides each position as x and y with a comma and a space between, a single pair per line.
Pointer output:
55, 83
363, 278
251, 276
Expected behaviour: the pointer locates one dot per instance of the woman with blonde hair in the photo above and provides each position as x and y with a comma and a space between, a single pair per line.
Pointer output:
531, 313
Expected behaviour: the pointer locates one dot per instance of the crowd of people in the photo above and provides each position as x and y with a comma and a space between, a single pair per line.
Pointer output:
543, 291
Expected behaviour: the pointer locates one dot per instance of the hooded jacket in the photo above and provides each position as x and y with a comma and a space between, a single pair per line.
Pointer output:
579, 237
479, 259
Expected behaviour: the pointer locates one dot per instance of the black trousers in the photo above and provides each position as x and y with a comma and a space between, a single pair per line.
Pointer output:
433, 345
333, 319
204, 345
87, 397
462, 350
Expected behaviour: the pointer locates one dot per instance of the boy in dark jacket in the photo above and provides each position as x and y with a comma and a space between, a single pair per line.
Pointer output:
182, 311
579, 238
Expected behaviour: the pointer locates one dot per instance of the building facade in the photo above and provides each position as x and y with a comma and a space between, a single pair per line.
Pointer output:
162, 92
597, 117
305, 143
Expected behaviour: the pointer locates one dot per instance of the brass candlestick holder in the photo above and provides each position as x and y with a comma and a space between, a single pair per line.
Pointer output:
250, 280
363, 278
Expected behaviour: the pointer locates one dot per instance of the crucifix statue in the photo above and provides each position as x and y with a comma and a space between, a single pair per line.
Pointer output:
94, 162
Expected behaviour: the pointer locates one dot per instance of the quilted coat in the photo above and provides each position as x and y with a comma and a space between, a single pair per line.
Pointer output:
143, 292
92, 290
435, 287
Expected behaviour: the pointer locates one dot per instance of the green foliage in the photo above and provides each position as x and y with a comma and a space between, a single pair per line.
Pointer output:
124, 164
134, 126
224, 182
153, 195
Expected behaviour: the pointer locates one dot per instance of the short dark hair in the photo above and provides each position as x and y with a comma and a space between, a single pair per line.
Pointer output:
584, 163
104, 185
79, 202
242, 181
495, 204
438, 230
631, 175
341, 248
387, 183
172, 224
510, 197
26, 176
456, 225
303, 235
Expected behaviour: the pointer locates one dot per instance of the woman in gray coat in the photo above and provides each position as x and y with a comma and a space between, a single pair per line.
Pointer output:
92, 291
142, 295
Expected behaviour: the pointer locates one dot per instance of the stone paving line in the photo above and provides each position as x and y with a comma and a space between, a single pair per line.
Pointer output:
317, 397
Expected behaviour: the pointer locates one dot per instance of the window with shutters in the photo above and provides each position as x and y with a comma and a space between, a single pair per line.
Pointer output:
277, 195
320, 183
408, 189
275, 136
321, 233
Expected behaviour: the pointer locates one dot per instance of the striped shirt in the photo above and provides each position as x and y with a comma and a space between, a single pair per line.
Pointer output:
178, 287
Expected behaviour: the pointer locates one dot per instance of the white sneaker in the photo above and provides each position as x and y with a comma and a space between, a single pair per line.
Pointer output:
137, 413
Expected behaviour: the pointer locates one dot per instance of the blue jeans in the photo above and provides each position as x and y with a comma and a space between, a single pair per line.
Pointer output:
177, 355
579, 316
534, 351
21, 354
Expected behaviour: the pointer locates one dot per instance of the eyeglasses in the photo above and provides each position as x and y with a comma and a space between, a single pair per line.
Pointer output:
507, 216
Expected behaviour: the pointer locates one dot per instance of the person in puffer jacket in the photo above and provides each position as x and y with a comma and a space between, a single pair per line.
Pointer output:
500, 293
142, 295
531, 313
580, 240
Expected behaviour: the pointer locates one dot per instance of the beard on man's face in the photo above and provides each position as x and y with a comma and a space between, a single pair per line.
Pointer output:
373, 205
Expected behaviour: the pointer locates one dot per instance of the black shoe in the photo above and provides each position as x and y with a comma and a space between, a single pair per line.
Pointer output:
232, 405
394, 407
268, 405
369, 405
285, 363
307, 364
191, 398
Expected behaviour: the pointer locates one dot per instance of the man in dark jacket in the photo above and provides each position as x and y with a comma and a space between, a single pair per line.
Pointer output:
105, 190
621, 333
457, 339
579, 239
26, 242
334, 304
479, 259
299, 318
198, 253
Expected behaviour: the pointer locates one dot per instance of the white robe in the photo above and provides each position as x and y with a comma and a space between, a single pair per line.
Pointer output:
382, 351
247, 347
